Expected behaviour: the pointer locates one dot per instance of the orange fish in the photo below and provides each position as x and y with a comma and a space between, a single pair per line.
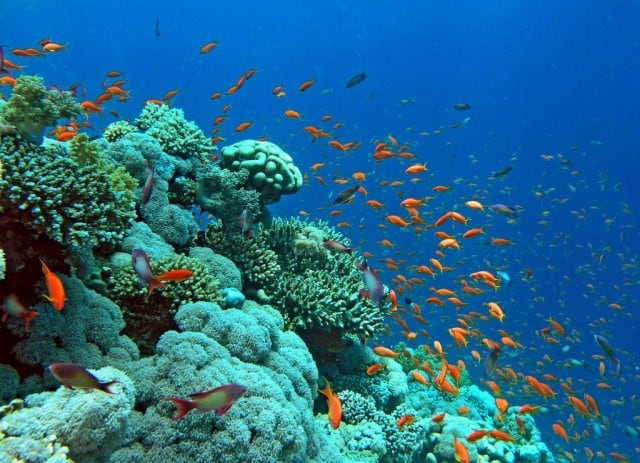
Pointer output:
55, 287
461, 452
243, 126
335, 406
207, 47
396, 220
416, 169
176, 275
304, 86
292, 114
405, 420
375, 368
385, 352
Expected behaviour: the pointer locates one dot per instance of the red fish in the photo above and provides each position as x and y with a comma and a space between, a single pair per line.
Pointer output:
74, 376
335, 406
219, 399
336, 246
176, 275
54, 286
14, 308
147, 189
141, 265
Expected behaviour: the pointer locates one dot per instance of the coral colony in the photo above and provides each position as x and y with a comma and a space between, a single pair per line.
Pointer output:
238, 317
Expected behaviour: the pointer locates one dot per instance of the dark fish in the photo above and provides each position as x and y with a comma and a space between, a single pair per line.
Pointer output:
606, 347
346, 196
491, 363
74, 376
157, 26
502, 209
355, 80
148, 186
501, 172
462, 106
3, 70
374, 289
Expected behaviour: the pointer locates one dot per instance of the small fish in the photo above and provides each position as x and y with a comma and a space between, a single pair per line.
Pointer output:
142, 267
246, 221
346, 196
504, 276
3, 70
176, 275
336, 246
606, 347
502, 209
147, 189
157, 30
55, 287
355, 80
14, 308
74, 376
219, 399
491, 363
374, 289
462, 106
500, 173
334, 404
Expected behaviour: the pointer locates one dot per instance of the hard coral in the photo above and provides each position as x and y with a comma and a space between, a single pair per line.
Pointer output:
32, 108
271, 170
48, 192
176, 135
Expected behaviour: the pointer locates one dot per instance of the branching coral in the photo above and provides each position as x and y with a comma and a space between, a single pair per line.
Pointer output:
32, 108
147, 317
48, 192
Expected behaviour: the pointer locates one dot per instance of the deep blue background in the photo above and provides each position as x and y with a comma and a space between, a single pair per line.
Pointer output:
543, 78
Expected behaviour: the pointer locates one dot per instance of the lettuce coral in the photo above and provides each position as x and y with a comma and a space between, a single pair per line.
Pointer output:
32, 108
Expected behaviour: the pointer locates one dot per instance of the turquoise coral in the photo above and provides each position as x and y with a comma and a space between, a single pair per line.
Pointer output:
75, 205
32, 108
271, 170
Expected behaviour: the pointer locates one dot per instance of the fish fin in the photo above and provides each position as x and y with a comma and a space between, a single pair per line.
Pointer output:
104, 387
222, 410
184, 406
27, 319
153, 284
5, 316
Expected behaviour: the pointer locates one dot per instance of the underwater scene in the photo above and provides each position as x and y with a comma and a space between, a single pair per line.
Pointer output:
359, 232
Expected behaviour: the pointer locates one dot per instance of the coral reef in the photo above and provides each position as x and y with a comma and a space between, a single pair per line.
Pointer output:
89, 208
87, 332
148, 316
271, 170
177, 136
32, 108
118, 129
273, 422
91, 424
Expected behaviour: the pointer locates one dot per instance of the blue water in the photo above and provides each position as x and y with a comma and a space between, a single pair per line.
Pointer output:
542, 78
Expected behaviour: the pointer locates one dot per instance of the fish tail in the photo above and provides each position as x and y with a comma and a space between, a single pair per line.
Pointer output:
27, 319
153, 284
184, 406
105, 387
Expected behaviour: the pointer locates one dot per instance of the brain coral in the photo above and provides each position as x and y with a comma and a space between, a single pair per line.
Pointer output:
52, 192
271, 170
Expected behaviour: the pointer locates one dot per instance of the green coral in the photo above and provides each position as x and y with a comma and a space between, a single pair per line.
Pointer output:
271, 171
148, 316
50, 193
314, 288
222, 193
32, 108
116, 130
176, 135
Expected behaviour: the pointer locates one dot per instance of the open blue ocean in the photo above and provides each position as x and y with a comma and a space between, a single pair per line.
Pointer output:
512, 123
